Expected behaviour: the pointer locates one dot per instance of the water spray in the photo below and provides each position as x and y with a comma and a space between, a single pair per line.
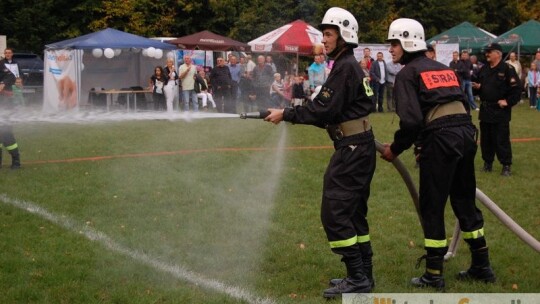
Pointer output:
488, 203
256, 115
99, 116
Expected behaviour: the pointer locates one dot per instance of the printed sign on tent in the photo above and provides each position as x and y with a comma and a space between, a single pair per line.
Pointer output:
61, 80
444, 52
198, 57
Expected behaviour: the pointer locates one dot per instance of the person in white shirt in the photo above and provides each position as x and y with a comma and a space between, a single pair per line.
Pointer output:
9, 63
250, 65
513, 61
187, 76
378, 72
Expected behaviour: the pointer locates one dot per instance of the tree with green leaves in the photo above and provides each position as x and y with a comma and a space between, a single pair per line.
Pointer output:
29, 25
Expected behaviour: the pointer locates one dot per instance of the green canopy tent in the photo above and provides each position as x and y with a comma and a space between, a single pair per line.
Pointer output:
468, 36
524, 39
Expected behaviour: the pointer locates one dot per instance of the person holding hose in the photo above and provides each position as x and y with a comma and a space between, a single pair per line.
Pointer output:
342, 107
435, 115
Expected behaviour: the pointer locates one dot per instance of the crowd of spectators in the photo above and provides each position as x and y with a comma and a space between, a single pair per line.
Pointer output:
381, 74
242, 83
238, 83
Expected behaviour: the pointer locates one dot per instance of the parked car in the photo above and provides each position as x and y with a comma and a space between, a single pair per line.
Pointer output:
30, 68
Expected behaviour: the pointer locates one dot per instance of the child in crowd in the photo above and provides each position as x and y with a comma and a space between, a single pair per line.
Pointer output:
157, 81
538, 100
17, 89
533, 82
305, 83
298, 94
287, 86
276, 92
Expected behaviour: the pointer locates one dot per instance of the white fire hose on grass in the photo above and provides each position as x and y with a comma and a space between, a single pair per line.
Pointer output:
484, 199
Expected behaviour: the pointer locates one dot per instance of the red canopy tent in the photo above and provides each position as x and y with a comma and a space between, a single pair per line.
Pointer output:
296, 37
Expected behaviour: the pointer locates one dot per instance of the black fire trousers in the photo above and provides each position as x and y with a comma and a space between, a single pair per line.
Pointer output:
7, 138
447, 169
495, 139
346, 189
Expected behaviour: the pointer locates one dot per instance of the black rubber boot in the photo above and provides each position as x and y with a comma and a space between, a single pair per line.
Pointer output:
433, 277
506, 170
367, 261
15, 158
480, 269
355, 282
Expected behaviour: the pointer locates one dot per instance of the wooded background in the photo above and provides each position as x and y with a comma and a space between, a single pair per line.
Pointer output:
29, 25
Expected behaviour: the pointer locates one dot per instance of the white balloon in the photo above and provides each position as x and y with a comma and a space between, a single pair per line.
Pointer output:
82, 66
97, 53
109, 53
158, 53
145, 52
170, 55
151, 51
117, 52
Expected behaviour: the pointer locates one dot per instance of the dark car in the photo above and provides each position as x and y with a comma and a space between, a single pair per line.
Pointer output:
30, 69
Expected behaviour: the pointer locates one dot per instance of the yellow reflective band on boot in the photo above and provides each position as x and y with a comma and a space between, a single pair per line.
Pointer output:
363, 238
473, 234
433, 271
12, 147
344, 243
435, 243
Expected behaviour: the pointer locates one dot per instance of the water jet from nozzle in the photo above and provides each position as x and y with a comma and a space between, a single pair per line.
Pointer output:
259, 115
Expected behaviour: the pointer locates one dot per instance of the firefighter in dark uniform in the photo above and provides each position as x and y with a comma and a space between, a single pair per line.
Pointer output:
433, 112
7, 139
342, 107
499, 89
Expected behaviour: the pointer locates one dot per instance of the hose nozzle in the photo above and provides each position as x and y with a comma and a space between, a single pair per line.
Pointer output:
259, 115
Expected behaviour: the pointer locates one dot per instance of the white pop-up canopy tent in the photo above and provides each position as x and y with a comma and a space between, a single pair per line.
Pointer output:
109, 59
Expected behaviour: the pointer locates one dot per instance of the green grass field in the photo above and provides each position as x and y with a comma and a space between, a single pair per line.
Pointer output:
223, 211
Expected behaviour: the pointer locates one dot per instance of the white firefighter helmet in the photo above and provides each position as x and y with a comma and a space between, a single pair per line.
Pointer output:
410, 33
345, 21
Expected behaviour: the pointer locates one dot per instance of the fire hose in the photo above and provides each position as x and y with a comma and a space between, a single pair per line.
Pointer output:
484, 199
